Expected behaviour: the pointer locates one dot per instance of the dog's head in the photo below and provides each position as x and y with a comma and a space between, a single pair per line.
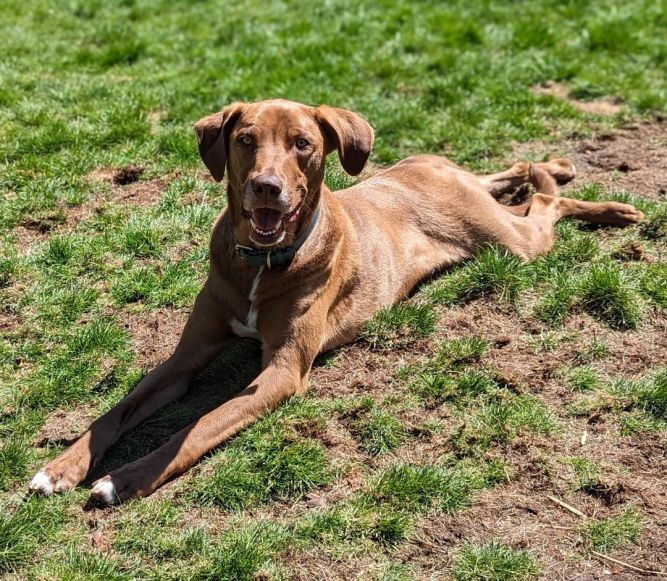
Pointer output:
274, 153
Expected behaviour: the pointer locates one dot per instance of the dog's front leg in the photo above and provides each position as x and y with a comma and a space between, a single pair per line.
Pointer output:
285, 374
203, 338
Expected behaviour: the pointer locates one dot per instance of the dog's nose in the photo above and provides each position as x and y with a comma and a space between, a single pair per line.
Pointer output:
267, 184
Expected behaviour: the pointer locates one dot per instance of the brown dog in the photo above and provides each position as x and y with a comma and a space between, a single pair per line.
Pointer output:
302, 269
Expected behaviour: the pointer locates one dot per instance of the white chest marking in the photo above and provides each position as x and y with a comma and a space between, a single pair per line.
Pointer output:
249, 328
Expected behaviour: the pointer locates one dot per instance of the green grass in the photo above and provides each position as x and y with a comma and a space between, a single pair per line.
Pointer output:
378, 432
493, 272
90, 87
500, 420
494, 561
586, 472
269, 460
607, 535
583, 378
399, 325
403, 487
607, 293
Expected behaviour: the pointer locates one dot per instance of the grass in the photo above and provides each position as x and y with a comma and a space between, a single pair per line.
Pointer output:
586, 472
399, 325
583, 378
493, 272
269, 460
494, 561
414, 489
606, 535
379, 432
345, 484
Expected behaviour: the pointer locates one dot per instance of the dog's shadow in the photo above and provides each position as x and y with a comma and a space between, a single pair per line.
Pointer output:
223, 379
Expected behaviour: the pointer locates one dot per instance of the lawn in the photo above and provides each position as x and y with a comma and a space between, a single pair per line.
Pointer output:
433, 447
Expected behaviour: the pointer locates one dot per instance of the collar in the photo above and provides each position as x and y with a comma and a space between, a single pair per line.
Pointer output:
279, 256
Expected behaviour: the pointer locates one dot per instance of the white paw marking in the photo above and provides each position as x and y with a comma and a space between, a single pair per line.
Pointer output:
41, 483
104, 491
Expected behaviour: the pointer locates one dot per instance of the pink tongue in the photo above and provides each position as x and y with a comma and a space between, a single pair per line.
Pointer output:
266, 219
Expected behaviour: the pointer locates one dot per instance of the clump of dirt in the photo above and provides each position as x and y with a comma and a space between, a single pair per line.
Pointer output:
632, 250
127, 187
128, 175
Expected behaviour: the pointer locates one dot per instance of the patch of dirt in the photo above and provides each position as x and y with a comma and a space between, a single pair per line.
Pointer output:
632, 158
607, 107
62, 427
154, 334
127, 188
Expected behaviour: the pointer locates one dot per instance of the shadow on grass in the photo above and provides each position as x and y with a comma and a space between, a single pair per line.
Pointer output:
229, 374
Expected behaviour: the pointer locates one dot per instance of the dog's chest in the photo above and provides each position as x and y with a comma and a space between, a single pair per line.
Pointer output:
249, 327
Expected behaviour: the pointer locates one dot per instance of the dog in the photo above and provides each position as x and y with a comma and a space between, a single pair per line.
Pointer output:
302, 269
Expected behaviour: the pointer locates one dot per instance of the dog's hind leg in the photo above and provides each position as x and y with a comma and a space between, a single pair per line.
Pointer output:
561, 170
532, 233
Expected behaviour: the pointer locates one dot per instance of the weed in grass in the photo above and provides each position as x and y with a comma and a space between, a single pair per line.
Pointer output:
399, 325
608, 294
607, 535
583, 378
494, 561
492, 272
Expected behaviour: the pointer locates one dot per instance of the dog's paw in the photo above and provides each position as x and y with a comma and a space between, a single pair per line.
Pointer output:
561, 169
623, 214
119, 486
52, 479
104, 492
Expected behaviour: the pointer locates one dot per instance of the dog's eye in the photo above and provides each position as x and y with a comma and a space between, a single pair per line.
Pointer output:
302, 143
245, 140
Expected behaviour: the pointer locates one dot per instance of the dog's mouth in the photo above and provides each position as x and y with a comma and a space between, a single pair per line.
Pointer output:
269, 226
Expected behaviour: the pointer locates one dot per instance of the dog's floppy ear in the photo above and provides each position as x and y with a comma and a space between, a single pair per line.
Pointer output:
349, 133
213, 138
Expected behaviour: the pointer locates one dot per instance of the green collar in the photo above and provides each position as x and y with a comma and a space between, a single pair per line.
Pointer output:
279, 256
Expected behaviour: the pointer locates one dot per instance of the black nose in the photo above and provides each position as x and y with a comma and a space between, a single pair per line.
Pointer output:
266, 184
